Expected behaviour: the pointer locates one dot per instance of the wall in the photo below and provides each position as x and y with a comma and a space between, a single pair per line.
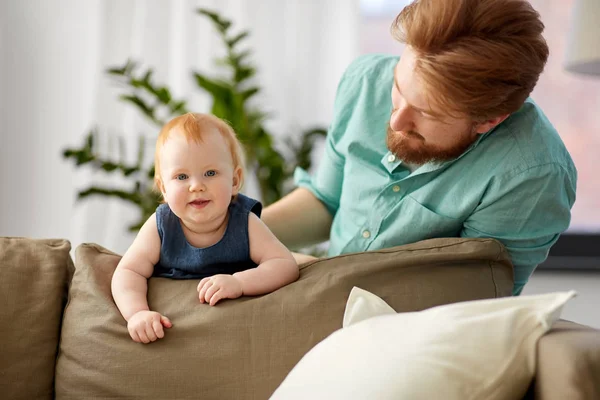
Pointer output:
582, 309
53, 56
39, 116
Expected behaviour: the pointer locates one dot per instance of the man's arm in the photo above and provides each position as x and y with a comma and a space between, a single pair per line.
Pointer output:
304, 217
527, 213
298, 219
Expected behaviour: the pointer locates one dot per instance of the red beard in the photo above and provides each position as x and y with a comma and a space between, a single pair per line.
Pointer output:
412, 148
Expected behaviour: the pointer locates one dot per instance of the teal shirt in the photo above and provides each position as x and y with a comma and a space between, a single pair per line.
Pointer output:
516, 183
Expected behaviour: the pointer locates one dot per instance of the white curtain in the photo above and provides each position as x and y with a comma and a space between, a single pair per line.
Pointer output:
54, 54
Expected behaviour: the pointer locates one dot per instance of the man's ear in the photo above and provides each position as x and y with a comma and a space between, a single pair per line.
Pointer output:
237, 180
488, 125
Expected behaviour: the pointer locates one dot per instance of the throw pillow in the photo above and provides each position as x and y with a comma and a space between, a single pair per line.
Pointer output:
363, 305
483, 349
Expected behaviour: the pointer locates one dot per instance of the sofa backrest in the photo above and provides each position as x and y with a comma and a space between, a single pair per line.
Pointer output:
34, 275
243, 348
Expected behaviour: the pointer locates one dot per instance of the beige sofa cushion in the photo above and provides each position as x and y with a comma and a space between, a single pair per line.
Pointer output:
243, 348
568, 363
33, 287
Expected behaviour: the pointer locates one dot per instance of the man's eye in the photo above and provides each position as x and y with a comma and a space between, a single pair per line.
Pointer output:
181, 177
211, 172
426, 115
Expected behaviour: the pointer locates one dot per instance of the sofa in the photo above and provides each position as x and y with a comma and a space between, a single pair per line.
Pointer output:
63, 337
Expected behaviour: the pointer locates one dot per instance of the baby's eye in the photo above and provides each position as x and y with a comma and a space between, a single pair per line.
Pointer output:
181, 177
211, 172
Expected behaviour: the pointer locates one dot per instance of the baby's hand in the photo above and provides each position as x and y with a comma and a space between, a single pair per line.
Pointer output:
147, 326
217, 287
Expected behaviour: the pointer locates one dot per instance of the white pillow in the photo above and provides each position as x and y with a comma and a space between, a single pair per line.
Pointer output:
483, 349
362, 305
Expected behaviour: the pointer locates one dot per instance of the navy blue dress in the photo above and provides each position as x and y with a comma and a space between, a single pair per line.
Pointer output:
181, 260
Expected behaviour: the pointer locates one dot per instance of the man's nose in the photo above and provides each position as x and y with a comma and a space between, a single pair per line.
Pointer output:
401, 119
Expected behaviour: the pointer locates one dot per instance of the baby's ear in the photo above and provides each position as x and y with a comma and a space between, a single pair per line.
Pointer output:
237, 180
159, 186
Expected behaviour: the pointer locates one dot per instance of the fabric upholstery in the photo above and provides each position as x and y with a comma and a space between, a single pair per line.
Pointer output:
243, 348
34, 275
568, 363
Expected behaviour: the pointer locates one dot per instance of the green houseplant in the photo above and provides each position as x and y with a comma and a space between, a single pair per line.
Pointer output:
230, 101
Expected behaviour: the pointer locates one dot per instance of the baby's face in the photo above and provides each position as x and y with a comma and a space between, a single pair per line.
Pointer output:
198, 178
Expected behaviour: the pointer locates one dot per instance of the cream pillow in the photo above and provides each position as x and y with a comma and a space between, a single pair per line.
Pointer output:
482, 349
362, 305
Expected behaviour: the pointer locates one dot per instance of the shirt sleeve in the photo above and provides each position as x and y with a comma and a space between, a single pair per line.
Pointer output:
327, 181
527, 212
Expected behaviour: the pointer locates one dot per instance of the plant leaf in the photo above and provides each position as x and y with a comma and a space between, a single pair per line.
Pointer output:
246, 94
141, 105
236, 39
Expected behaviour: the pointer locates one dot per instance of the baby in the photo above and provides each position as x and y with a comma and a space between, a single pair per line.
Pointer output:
206, 229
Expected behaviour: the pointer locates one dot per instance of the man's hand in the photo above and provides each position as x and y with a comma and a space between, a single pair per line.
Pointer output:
147, 326
217, 287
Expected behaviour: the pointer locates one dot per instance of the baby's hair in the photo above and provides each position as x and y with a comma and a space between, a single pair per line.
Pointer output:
193, 126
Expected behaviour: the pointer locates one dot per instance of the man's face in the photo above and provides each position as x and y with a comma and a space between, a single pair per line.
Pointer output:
418, 134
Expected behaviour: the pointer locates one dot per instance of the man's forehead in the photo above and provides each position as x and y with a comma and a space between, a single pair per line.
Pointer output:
412, 87
407, 61
409, 85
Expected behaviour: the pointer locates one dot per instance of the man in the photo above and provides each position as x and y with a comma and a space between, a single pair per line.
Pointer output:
443, 142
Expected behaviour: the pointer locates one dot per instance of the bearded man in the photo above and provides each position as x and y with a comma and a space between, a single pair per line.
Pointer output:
441, 142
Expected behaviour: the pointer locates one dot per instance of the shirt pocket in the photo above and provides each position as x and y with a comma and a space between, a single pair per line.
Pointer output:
421, 222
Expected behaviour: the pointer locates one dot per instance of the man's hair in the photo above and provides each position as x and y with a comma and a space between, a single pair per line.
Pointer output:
193, 126
481, 58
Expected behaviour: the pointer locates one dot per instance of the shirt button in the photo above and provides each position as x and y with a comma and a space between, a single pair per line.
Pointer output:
366, 234
396, 188
391, 158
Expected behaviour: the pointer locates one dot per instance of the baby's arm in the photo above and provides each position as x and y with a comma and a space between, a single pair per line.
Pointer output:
276, 265
130, 285
276, 268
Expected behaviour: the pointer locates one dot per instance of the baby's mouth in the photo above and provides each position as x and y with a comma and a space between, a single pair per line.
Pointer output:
199, 203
